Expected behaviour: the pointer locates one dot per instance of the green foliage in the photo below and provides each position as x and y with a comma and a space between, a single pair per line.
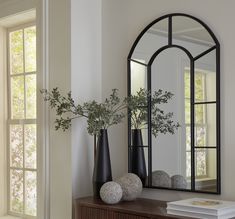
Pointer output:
65, 108
98, 115
103, 115
161, 122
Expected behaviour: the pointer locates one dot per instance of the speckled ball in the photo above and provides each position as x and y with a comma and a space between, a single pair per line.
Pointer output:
161, 179
178, 182
111, 193
131, 186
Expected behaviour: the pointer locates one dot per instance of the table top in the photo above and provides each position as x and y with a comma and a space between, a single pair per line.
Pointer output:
142, 206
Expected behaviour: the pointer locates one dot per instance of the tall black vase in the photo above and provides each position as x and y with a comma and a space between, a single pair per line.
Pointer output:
102, 167
138, 165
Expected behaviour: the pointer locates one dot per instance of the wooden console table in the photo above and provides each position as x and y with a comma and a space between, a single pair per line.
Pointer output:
91, 208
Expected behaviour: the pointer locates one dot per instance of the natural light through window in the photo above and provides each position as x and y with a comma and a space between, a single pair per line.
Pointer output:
200, 124
22, 165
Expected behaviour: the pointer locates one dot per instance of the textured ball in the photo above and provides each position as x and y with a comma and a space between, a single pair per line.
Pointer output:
161, 179
131, 186
111, 193
178, 182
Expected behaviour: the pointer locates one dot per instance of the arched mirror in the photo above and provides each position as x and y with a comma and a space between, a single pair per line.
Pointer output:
174, 113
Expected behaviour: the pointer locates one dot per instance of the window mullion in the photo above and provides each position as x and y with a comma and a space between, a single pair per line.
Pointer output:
25, 99
26, 169
24, 73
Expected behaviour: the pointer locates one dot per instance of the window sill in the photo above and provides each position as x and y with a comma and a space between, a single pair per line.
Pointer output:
9, 217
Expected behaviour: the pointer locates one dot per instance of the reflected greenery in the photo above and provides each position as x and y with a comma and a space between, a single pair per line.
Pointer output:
161, 122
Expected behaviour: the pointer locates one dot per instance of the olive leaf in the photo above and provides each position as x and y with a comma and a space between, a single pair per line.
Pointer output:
98, 115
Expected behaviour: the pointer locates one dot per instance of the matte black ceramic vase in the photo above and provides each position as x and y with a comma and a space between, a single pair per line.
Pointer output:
102, 167
138, 165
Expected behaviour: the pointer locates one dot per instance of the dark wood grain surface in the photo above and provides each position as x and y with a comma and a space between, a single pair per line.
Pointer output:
92, 208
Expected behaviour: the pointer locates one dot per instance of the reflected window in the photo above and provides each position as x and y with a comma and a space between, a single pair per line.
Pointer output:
200, 124
138, 75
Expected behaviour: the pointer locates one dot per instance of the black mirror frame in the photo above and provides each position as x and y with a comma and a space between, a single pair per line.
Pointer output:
217, 102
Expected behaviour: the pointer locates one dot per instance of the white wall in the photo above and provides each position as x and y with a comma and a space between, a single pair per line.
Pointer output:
85, 85
114, 53
58, 64
122, 21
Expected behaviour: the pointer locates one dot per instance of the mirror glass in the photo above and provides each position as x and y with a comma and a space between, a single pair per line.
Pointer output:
191, 35
176, 63
169, 152
206, 173
151, 41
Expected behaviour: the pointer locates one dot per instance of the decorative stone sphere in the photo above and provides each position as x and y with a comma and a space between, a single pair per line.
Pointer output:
111, 193
131, 186
161, 179
178, 182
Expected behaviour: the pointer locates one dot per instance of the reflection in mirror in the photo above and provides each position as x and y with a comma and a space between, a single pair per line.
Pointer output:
139, 149
171, 151
179, 143
139, 127
206, 173
155, 38
191, 35
205, 125
138, 77
205, 78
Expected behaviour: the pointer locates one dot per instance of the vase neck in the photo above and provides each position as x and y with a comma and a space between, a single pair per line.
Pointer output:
136, 130
102, 131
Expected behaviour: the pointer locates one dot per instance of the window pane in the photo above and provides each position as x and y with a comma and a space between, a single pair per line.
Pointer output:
205, 78
199, 114
155, 38
206, 170
16, 52
138, 77
16, 191
30, 83
201, 167
188, 138
191, 35
188, 164
187, 84
205, 129
16, 146
30, 49
30, 193
200, 132
199, 87
187, 111
30, 146
17, 97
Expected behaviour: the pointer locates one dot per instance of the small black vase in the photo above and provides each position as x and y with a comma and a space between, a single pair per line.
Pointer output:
138, 165
102, 166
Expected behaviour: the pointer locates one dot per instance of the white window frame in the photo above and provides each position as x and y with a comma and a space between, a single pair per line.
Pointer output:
18, 121
3, 118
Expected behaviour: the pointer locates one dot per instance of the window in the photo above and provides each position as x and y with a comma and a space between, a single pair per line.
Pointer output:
22, 144
200, 124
